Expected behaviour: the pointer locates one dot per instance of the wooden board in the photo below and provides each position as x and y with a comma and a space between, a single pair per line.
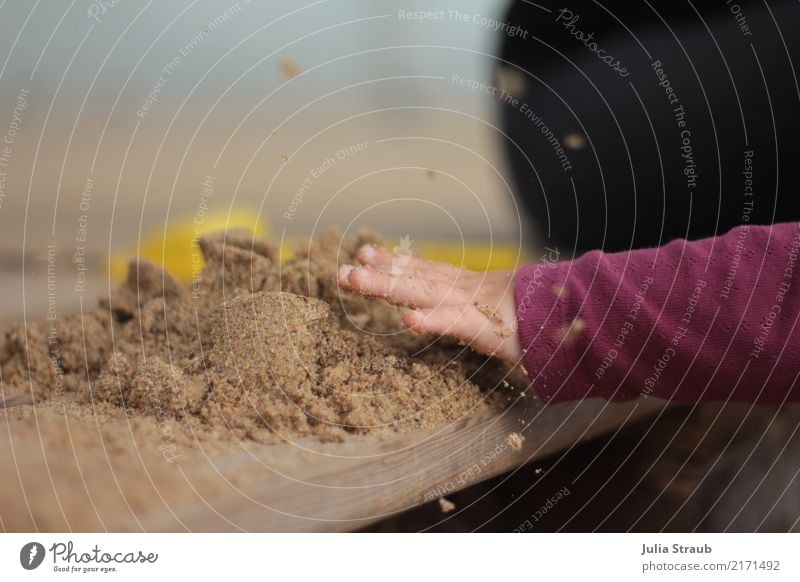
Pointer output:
345, 486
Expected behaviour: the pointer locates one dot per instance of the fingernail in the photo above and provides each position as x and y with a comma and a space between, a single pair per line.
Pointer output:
344, 273
367, 252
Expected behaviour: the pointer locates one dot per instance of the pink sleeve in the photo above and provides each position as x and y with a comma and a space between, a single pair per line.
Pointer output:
711, 320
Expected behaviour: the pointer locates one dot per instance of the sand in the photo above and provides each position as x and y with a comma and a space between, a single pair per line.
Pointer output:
515, 440
255, 349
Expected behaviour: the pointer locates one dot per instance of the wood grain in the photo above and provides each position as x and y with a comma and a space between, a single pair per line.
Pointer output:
16, 401
345, 486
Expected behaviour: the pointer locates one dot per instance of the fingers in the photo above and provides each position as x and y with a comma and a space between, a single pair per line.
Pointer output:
402, 269
401, 290
466, 324
383, 259
459, 322
447, 300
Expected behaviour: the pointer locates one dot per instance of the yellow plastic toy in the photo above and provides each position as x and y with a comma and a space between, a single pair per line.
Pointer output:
177, 249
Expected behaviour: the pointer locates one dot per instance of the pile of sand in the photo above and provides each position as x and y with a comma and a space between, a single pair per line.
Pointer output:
256, 349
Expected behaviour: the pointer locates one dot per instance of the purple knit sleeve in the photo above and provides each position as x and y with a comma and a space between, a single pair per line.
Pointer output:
711, 320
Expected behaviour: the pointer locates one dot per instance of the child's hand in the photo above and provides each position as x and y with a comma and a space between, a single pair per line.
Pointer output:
476, 308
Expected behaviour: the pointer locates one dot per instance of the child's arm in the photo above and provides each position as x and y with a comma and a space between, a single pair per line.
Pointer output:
715, 319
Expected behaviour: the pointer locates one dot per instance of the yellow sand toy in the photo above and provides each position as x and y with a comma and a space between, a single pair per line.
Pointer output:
177, 249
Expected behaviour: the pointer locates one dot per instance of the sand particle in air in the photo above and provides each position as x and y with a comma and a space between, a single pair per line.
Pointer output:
446, 505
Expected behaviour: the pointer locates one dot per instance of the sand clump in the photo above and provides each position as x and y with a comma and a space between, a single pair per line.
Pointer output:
255, 349
515, 440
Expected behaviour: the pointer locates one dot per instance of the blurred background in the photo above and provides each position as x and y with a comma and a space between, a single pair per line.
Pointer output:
135, 111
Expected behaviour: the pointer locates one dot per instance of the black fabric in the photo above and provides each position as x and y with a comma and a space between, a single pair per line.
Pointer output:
630, 189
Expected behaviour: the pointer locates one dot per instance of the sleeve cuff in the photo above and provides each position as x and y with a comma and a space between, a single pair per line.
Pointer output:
550, 332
